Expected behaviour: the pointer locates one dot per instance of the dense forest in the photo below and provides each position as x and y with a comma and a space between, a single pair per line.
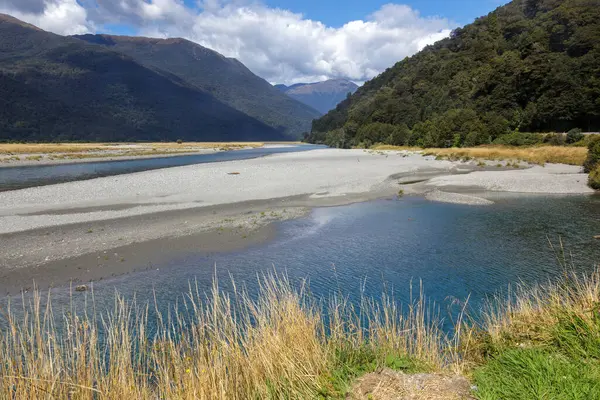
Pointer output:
55, 88
227, 79
529, 66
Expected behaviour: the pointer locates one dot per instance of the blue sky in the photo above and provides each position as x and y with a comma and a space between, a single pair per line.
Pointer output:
283, 41
339, 12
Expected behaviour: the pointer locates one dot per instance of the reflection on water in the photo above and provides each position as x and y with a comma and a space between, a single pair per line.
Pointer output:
456, 250
12, 178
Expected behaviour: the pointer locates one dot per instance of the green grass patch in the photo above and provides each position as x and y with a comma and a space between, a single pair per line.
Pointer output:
351, 364
537, 374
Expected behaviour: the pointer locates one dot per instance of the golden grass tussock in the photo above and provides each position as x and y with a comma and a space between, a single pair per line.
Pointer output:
392, 147
541, 155
534, 155
282, 343
65, 148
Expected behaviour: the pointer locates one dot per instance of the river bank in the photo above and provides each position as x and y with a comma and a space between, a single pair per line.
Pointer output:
90, 230
24, 155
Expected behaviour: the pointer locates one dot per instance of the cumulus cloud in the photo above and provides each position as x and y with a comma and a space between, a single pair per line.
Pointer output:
65, 17
277, 44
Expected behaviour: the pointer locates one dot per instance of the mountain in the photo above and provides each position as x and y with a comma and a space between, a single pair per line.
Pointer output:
60, 88
322, 96
227, 79
531, 65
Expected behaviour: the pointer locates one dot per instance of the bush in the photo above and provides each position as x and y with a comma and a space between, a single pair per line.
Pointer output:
593, 158
336, 138
594, 178
574, 136
555, 139
519, 139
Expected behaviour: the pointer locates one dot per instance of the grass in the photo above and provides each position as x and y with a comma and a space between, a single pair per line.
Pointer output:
70, 148
572, 155
541, 342
392, 147
534, 155
537, 374
281, 345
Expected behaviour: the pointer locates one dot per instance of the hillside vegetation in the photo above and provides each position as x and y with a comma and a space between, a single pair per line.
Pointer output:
532, 65
55, 88
227, 79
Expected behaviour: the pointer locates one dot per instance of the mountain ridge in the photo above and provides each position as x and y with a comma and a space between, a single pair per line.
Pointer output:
322, 96
227, 79
61, 88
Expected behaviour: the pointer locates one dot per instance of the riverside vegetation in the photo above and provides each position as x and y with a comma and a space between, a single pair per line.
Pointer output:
529, 66
539, 342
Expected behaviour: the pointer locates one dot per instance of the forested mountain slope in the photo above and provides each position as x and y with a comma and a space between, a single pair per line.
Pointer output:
226, 79
532, 65
59, 88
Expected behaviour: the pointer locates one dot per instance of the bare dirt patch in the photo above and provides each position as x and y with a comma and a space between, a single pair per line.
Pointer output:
391, 385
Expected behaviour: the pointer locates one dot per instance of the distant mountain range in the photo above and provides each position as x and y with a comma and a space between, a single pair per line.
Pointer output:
110, 88
322, 96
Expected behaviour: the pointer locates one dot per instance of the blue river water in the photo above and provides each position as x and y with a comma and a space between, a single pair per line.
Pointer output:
458, 251
12, 178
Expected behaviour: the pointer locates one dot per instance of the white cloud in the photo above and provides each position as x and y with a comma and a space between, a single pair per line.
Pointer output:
277, 44
65, 17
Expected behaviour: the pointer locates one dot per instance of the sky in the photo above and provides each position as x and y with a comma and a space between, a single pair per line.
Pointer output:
283, 41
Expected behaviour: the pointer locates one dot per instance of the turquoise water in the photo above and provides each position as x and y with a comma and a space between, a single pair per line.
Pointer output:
458, 251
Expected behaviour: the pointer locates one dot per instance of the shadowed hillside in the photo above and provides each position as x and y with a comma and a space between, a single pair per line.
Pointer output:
226, 79
58, 88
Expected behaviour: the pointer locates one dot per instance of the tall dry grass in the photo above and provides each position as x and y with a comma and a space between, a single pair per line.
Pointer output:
282, 343
535, 155
230, 346
64, 148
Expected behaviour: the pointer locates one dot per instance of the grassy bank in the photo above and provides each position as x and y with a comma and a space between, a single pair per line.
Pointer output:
14, 152
542, 343
49, 148
534, 155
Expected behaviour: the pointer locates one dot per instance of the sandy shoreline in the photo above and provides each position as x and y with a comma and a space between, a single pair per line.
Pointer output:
72, 231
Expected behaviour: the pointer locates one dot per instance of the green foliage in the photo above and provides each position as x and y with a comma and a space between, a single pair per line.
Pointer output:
593, 158
536, 374
555, 139
351, 363
574, 136
594, 178
528, 66
520, 139
564, 365
335, 138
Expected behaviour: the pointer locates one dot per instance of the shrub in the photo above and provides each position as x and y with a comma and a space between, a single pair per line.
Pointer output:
555, 139
336, 138
574, 136
519, 139
594, 178
593, 158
